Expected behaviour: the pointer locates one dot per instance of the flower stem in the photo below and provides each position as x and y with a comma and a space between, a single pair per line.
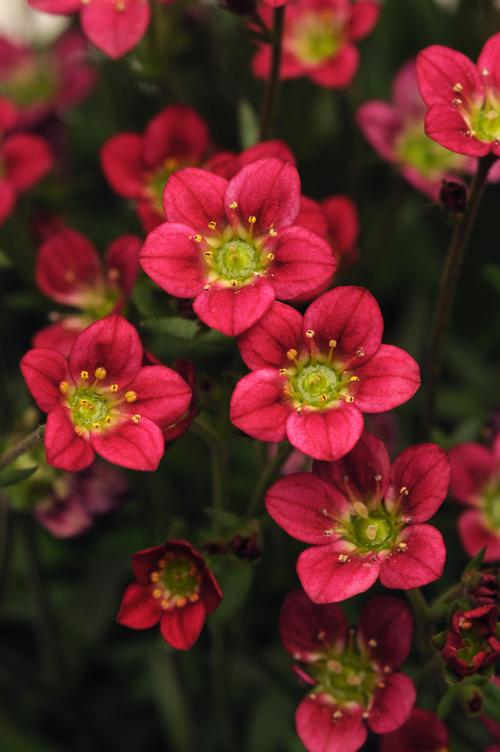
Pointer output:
267, 475
29, 442
218, 459
447, 287
423, 620
270, 100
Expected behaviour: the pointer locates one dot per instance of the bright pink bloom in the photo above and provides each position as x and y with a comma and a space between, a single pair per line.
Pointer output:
173, 586
364, 519
228, 163
422, 732
463, 98
38, 82
113, 26
101, 400
24, 161
69, 271
472, 640
318, 40
335, 219
314, 376
475, 481
233, 246
396, 132
353, 677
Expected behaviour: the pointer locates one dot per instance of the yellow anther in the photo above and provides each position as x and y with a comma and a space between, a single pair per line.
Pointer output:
197, 238
360, 352
354, 680
212, 224
335, 666
233, 205
113, 274
135, 418
208, 254
100, 373
270, 257
194, 598
403, 491
343, 558
332, 343
113, 388
354, 379
84, 402
273, 232
157, 593
63, 387
402, 546
485, 72
457, 88
373, 642
234, 283
120, 6
283, 372
252, 220
154, 577
349, 399
338, 714
292, 353
310, 333
456, 101
323, 398
371, 532
79, 430
377, 478
96, 426
131, 396
108, 419
162, 563
166, 604
381, 684
180, 601
360, 509
84, 375
321, 634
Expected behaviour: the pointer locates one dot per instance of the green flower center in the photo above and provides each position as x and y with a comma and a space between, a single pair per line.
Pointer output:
316, 381
373, 532
484, 119
30, 83
316, 384
238, 260
316, 38
88, 408
176, 582
235, 257
430, 159
347, 678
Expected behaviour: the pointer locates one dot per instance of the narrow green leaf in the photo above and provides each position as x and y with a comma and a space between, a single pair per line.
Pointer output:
10, 477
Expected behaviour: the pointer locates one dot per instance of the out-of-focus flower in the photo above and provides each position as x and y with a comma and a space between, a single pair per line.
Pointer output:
24, 161
25, 25
472, 641
422, 732
335, 219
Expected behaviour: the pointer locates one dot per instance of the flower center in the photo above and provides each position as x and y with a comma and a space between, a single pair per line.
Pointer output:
158, 179
238, 260
235, 257
347, 678
316, 38
485, 118
430, 159
374, 531
30, 83
176, 582
88, 408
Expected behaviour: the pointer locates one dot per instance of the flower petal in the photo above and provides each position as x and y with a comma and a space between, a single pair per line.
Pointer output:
115, 29
439, 69
389, 623
302, 262
138, 446
181, 627
122, 163
43, 370
424, 471
301, 621
234, 310
475, 535
339, 71
195, 197
26, 159
422, 561
326, 579
67, 266
390, 378
56, 337
325, 434
177, 132
257, 405
63, 448
422, 731
472, 467
8, 197
266, 343
138, 609
489, 60
122, 262
380, 124
320, 733
173, 260
392, 704
343, 223
364, 16
162, 395
266, 150
444, 124
56, 6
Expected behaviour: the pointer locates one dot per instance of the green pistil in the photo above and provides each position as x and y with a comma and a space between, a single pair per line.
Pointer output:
368, 531
316, 38
237, 260
89, 409
373, 532
430, 159
180, 577
485, 119
316, 382
235, 257
346, 679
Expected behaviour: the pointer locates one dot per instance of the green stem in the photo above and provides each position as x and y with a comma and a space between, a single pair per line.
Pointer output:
440, 604
447, 287
218, 460
267, 475
270, 100
423, 621
29, 442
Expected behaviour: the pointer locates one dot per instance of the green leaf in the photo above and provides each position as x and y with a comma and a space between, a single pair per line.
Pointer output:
249, 124
10, 477
491, 273
174, 326
447, 701
5, 262
491, 704
474, 564
235, 581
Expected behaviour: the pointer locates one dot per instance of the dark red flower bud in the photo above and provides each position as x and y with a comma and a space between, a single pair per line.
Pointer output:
471, 641
453, 196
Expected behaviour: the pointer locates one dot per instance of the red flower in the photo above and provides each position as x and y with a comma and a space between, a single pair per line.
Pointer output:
24, 161
69, 271
314, 376
38, 82
364, 519
472, 640
227, 163
173, 586
475, 481
318, 40
114, 26
232, 245
463, 98
396, 132
335, 219
101, 400
422, 732
186, 369
352, 673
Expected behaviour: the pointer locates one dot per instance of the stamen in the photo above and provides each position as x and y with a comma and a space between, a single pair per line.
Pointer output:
310, 333
252, 220
338, 714
457, 88
84, 375
402, 546
100, 373
157, 593
373, 642
485, 72
403, 491
212, 224
155, 577
291, 354
361, 509
131, 396
273, 232
120, 6
63, 387
270, 257
79, 430
353, 379
349, 399
360, 353
197, 238
233, 205
343, 558
377, 478
113, 388
135, 418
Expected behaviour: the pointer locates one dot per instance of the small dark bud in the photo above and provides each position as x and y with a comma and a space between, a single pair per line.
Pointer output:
240, 7
453, 196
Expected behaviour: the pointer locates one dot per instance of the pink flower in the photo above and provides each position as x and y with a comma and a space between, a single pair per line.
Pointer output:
314, 376
422, 732
38, 82
69, 271
318, 40
114, 26
101, 400
24, 161
335, 219
227, 163
472, 640
365, 519
353, 677
396, 132
463, 99
233, 246
475, 481
173, 586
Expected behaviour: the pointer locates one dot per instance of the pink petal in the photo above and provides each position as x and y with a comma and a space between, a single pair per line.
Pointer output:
138, 446
115, 29
424, 470
174, 260
122, 163
390, 378
302, 262
339, 71
472, 467
63, 448
312, 216
145, 562
364, 16
269, 190
111, 343
328, 580
177, 132
387, 621
138, 609
181, 627
266, 150
162, 395
306, 628
56, 6
380, 124
257, 406
26, 160
422, 561
325, 434
439, 69
393, 704
444, 124
343, 222
305, 507
405, 92
43, 370
320, 733
195, 197
489, 60
122, 262
475, 535
233, 311
267, 342
56, 337
422, 731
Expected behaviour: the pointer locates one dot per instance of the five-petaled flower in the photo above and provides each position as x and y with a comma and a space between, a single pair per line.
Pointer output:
173, 586
463, 98
315, 375
472, 641
233, 246
475, 481
364, 519
352, 673
69, 271
24, 161
422, 732
102, 400
318, 40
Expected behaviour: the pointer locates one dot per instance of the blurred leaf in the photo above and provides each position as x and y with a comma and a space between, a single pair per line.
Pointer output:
5, 262
248, 124
447, 701
491, 704
491, 273
175, 326
10, 477
235, 581
474, 564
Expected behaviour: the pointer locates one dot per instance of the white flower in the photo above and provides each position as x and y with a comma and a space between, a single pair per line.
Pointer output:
20, 23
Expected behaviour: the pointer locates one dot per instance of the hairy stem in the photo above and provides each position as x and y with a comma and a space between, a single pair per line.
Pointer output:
29, 442
218, 460
270, 100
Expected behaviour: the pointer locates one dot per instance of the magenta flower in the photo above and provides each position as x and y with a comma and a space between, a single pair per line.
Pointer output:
463, 99
318, 40
364, 519
69, 271
24, 161
173, 587
101, 400
422, 732
396, 132
475, 481
314, 376
233, 246
353, 677
335, 219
